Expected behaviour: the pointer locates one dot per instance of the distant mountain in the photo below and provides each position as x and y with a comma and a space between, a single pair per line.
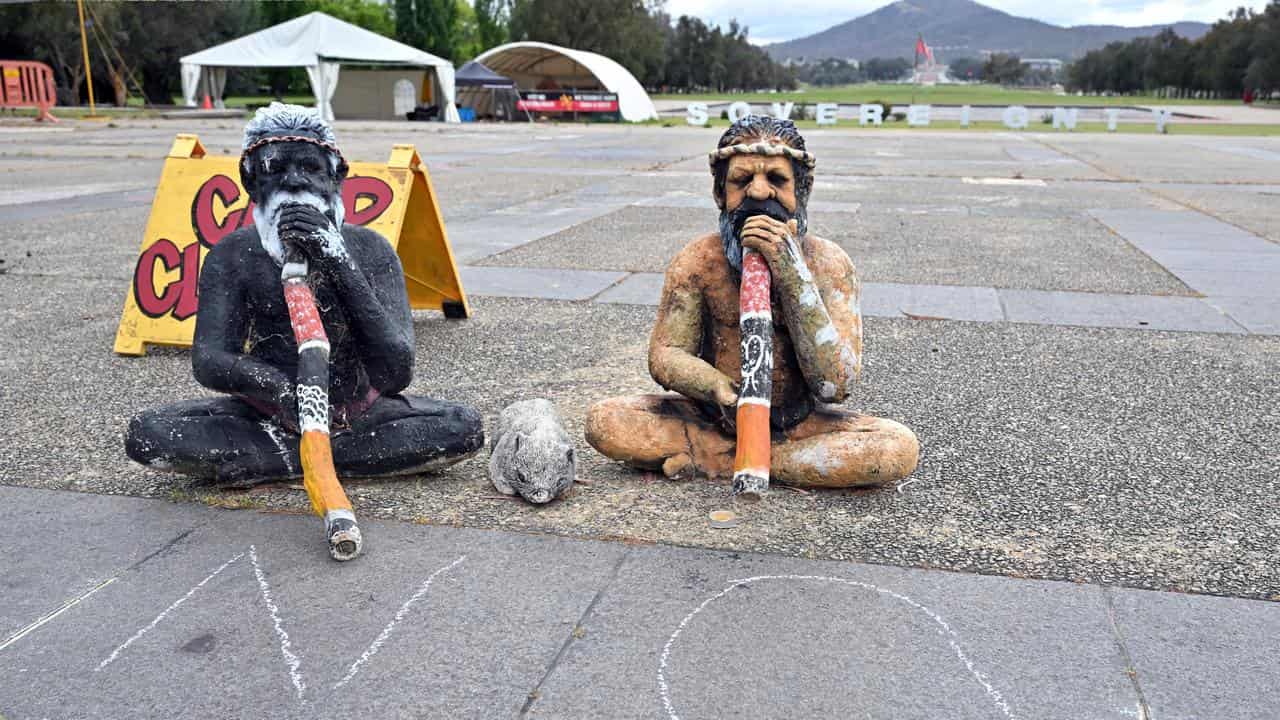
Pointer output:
960, 28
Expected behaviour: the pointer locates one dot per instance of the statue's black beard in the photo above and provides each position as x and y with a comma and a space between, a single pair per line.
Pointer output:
731, 222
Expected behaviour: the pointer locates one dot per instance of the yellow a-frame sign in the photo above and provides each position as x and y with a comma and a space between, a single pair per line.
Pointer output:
199, 201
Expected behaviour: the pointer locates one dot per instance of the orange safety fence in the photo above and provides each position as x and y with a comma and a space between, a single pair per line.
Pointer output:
27, 84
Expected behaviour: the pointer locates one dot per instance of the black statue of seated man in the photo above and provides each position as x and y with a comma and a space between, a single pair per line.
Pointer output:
244, 343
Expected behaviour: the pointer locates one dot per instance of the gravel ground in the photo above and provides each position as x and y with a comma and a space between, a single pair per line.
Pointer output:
1132, 457
1039, 460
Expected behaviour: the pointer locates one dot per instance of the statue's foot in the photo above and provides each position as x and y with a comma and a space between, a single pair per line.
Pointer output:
678, 467
345, 541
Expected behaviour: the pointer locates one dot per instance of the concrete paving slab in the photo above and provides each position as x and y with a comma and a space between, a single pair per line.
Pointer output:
636, 289
1118, 311
545, 283
1233, 283
1201, 657
64, 546
1217, 260
45, 209
498, 232
249, 618
1155, 242
1259, 315
951, 302
696, 635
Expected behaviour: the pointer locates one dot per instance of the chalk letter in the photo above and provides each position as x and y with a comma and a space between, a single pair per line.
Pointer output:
697, 114
1065, 117
783, 112
738, 110
964, 116
870, 114
1015, 117
918, 115
1112, 114
825, 113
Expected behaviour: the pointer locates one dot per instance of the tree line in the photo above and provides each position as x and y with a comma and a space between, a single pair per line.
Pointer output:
135, 46
836, 71
1239, 55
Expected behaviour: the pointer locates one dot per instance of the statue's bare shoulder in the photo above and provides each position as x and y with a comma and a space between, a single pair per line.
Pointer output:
827, 260
699, 264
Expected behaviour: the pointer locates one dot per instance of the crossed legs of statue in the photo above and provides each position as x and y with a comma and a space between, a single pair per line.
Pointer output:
830, 448
228, 441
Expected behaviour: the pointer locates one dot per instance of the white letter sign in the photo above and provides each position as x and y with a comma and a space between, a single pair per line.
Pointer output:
1015, 117
697, 114
825, 113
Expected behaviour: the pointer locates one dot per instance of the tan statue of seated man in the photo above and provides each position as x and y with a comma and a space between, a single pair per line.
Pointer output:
762, 178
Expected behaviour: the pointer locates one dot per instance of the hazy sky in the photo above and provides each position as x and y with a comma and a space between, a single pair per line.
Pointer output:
805, 17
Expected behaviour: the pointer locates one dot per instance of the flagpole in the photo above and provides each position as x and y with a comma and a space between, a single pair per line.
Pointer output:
915, 67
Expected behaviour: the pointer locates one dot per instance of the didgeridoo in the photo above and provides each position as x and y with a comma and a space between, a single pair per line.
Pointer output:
755, 321
318, 474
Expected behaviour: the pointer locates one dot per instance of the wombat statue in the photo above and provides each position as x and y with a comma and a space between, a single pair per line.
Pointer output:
531, 453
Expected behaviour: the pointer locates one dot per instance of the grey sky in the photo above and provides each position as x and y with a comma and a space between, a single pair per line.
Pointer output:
809, 16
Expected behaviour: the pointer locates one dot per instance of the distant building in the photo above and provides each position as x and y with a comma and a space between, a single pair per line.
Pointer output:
1053, 65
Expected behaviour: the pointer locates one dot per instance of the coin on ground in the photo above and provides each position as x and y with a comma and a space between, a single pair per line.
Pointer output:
722, 519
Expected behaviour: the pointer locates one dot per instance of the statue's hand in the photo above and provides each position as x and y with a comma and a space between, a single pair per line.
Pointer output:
311, 231
727, 398
774, 240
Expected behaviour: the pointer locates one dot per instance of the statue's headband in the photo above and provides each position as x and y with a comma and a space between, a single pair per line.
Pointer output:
762, 148
342, 162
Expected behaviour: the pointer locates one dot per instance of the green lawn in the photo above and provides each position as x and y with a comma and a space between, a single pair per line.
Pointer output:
901, 94
1143, 128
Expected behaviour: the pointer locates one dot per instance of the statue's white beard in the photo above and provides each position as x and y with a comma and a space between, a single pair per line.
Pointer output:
266, 217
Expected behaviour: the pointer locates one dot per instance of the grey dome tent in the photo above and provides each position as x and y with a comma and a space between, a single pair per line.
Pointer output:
485, 91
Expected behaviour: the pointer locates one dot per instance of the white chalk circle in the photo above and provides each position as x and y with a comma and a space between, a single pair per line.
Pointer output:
953, 640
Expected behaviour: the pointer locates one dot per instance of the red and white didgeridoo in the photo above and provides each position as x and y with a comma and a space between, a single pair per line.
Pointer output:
318, 474
755, 321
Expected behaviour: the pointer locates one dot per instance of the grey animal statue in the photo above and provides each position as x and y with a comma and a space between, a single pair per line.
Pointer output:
531, 453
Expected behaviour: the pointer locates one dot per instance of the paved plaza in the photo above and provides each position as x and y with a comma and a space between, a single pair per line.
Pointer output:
1082, 329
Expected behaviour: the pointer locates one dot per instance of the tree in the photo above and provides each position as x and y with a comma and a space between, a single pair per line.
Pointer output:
623, 30
431, 25
965, 68
1264, 69
493, 19
1004, 69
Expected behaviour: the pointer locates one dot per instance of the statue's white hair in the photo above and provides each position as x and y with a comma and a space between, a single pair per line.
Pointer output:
278, 118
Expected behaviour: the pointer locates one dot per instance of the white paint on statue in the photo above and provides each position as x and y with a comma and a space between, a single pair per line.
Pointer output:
696, 114
1065, 118
782, 111
918, 115
1015, 117
738, 110
870, 114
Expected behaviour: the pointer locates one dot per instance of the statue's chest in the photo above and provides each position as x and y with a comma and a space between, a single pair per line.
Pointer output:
722, 338
269, 313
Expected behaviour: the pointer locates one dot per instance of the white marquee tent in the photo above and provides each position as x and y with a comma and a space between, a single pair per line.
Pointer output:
319, 43
529, 63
